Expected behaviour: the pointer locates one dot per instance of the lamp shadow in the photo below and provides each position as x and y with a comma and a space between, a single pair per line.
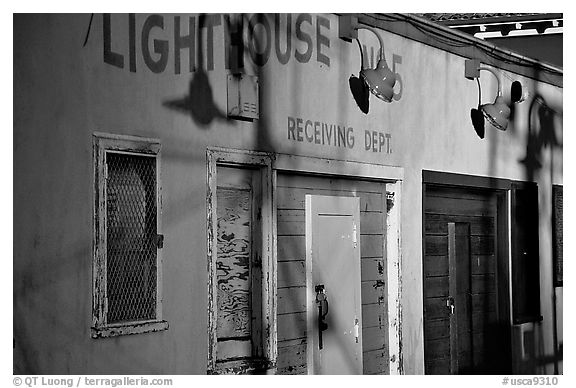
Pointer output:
199, 103
360, 93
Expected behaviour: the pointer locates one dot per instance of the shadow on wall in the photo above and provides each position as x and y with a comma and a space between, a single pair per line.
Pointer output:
541, 134
199, 102
543, 137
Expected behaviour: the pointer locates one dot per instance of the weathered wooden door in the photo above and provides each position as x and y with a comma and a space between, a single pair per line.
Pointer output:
462, 324
334, 311
292, 269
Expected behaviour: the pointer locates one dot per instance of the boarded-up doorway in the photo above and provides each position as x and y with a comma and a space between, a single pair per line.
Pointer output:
291, 243
464, 272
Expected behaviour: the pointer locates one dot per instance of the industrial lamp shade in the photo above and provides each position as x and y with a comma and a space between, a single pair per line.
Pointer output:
380, 80
497, 113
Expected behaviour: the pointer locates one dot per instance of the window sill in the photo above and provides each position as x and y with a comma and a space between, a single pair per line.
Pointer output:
129, 328
246, 366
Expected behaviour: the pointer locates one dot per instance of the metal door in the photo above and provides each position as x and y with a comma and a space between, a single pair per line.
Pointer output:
333, 303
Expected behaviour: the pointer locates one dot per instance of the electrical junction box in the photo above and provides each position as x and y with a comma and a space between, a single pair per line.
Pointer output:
472, 68
243, 97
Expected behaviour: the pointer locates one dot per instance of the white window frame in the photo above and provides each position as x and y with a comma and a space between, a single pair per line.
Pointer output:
263, 161
104, 143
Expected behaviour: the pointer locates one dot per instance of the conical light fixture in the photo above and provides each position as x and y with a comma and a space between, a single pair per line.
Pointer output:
497, 113
379, 80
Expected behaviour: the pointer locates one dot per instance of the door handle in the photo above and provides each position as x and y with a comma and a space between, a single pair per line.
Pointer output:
450, 304
322, 302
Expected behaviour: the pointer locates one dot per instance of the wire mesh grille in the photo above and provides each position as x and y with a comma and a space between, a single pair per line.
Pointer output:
131, 237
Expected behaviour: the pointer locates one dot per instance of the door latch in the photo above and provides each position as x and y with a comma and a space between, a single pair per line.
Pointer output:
450, 304
322, 302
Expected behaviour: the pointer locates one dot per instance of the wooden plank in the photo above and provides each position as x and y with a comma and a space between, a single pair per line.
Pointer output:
291, 248
334, 183
469, 193
372, 245
291, 300
453, 291
461, 207
479, 339
375, 362
291, 358
483, 264
373, 292
482, 245
293, 370
371, 202
438, 223
438, 367
485, 283
374, 338
435, 266
462, 301
373, 268
291, 222
291, 274
437, 349
465, 363
480, 264
226, 350
374, 315
371, 223
483, 303
291, 326
462, 310
435, 329
483, 320
436, 245
436, 308
291, 342
294, 198
436, 286
558, 234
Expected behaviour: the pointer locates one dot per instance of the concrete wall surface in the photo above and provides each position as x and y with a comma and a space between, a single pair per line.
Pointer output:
126, 80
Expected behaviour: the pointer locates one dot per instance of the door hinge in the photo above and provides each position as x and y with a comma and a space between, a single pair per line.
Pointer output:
354, 235
159, 241
389, 201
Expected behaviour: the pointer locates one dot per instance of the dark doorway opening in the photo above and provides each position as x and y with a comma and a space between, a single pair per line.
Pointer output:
465, 277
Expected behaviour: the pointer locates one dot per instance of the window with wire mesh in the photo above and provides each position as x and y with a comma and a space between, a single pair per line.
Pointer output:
131, 249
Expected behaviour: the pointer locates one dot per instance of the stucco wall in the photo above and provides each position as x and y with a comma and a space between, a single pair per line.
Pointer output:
63, 92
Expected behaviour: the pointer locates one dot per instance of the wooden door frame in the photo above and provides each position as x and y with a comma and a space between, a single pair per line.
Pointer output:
502, 189
215, 157
393, 178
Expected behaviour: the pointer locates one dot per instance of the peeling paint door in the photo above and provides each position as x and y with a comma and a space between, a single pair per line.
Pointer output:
333, 285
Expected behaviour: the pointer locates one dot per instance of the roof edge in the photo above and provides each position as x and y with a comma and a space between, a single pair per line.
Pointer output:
498, 19
469, 47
